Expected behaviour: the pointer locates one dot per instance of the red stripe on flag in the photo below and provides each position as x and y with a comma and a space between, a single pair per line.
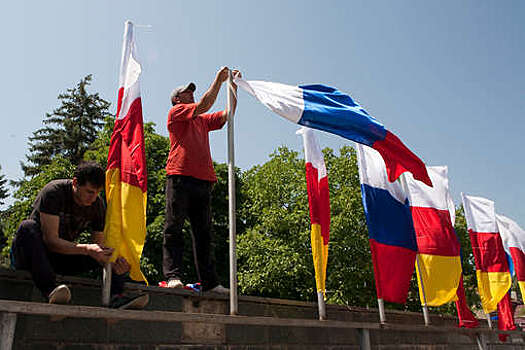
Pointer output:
393, 269
465, 317
119, 100
434, 232
126, 150
505, 317
518, 257
488, 251
318, 200
398, 159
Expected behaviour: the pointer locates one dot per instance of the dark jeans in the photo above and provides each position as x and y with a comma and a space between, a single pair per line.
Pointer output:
188, 197
30, 253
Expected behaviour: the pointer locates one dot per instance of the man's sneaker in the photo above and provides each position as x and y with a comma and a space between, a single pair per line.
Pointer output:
220, 290
175, 283
122, 302
60, 295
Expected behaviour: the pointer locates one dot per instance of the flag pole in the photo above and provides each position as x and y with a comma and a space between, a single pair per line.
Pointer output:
106, 284
426, 315
231, 199
322, 306
381, 304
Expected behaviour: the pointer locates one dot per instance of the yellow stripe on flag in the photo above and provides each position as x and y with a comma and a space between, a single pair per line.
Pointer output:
320, 256
492, 288
126, 220
440, 276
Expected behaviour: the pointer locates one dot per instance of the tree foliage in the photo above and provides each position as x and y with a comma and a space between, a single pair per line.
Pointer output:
3, 189
59, 168
69, 130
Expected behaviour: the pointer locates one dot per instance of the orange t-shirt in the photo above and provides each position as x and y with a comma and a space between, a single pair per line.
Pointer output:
190, 146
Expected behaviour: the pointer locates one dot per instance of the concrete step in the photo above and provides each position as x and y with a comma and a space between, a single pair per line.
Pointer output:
178, 319
18, 286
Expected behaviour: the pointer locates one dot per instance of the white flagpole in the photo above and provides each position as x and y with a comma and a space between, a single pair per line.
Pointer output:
231, 200
322, 306
106, 284
381, 304
489, 321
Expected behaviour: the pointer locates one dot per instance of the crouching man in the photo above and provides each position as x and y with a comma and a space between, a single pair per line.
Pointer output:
45, 243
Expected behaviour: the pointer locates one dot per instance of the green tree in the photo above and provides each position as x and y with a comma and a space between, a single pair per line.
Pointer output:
59, 168
3, 196
3, 190
275, 253
69, 130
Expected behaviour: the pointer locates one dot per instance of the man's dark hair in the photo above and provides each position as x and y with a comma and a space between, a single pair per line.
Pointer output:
92, 172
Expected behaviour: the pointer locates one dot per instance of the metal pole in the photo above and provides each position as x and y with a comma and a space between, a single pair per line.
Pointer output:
489, 321
424, 304
106, 284
381, 304
482, 344
322, 306
231, 200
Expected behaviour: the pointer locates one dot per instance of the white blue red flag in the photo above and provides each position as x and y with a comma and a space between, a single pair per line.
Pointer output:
328, 109
390, 230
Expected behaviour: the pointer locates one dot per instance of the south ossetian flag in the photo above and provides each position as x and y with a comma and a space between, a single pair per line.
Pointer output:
492, 269
319, 202
439, 262
390, 228
513, 237
327, 109
126, 177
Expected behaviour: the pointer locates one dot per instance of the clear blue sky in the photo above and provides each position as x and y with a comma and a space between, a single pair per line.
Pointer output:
446, 76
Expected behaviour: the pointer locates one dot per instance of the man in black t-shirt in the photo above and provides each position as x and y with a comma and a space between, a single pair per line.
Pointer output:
45, 243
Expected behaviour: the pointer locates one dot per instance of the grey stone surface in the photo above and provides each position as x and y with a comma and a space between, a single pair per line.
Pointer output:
138, 332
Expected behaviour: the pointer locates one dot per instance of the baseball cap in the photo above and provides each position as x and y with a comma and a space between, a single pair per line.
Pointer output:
182, 88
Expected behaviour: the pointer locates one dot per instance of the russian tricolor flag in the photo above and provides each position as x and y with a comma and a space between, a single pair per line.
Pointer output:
328, 109
390, 228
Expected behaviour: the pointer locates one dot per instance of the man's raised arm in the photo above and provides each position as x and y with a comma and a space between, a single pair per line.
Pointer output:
209, 97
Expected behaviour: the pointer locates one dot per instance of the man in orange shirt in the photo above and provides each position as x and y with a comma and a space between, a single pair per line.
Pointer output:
190, 179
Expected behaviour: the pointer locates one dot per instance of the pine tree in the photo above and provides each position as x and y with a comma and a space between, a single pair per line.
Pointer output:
69, 130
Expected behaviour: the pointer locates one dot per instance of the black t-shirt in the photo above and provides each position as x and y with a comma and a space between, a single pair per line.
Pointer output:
56, 198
